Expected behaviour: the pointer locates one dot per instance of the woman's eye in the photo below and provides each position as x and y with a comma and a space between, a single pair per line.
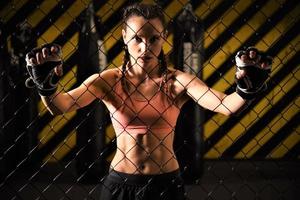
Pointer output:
138, 39
154, 39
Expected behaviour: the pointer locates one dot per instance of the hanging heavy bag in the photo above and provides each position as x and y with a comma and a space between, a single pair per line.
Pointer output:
188, 142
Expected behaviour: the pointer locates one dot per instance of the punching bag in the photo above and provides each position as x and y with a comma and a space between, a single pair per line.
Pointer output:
3, 63
187, 56
94, 118
18, 103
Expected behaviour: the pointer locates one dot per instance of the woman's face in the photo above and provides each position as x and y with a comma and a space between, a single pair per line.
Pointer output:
144, 39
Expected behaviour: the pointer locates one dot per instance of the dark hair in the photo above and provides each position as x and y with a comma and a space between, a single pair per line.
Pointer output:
148, 11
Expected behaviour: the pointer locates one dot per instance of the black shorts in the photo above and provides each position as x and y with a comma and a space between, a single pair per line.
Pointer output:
123, 186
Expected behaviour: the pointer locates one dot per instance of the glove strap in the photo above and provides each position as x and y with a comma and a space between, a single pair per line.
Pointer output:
250, 95
48, 86
30, 83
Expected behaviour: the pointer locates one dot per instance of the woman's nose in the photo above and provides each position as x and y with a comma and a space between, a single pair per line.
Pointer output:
145, 46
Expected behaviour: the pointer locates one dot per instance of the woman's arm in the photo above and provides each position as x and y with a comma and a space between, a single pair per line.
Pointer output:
96, 86
209, 98
253, 69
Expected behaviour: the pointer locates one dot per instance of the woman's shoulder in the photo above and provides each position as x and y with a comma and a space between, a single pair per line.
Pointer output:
179, 75
184, 79
107, 78
109, 75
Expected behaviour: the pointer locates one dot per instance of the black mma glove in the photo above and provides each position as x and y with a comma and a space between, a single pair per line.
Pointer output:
43, 76
254, 68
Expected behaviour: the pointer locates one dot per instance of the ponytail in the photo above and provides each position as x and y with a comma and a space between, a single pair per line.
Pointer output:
163, 69
126, 60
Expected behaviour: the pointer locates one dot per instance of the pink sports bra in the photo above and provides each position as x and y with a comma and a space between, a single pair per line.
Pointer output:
156, 115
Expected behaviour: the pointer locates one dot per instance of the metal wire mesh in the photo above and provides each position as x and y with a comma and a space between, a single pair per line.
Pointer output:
251, 155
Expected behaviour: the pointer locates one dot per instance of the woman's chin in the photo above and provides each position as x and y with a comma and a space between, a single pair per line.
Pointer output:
144, 63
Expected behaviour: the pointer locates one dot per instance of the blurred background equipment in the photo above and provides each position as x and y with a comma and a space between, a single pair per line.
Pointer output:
94, 118
188, 57
18, 103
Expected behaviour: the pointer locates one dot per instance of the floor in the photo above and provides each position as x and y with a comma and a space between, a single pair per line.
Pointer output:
266, 180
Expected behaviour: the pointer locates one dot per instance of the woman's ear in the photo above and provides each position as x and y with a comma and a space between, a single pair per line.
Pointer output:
165, 34
124, 36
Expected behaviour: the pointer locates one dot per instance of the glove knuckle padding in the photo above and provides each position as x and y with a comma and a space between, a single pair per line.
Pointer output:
249, 49
42, 76
253, 79
238, 59
253, 82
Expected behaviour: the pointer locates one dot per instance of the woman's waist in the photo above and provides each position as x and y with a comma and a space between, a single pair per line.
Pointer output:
145, 168
139, 162
142, 179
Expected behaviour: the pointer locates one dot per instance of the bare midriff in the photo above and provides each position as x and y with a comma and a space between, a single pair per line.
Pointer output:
144, 127
150, 153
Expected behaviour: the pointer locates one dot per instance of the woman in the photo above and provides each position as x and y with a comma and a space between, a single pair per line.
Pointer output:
144, 98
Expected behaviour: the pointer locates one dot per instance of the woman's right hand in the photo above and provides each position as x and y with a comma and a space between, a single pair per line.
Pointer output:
253, 69
44, 65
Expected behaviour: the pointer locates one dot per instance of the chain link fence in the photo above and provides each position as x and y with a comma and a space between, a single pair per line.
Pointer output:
253, 154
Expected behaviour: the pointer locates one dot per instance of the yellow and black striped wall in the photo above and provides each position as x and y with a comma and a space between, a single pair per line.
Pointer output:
268, 129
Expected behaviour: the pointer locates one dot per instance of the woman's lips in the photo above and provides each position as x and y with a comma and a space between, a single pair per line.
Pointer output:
145, 58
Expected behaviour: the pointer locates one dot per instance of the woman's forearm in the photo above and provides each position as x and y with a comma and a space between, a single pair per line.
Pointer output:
59, 103
231, 104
